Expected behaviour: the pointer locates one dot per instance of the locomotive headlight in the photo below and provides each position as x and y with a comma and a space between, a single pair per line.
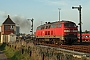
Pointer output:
66, 30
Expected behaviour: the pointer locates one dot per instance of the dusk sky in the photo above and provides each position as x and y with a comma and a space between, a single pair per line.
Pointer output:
44, 11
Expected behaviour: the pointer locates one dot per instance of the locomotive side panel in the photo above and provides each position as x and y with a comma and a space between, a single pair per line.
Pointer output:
59, 30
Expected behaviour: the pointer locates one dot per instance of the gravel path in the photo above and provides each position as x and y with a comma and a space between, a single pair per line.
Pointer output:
2, 56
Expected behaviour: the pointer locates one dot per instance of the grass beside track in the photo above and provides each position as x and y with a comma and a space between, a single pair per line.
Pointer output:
13, 54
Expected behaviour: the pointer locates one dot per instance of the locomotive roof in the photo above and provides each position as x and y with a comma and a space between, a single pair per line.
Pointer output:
63, 21
66, 21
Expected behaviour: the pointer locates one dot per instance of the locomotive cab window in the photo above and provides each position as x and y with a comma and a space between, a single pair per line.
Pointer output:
59, 25
69, 25
53, 26
72, 25
66, 25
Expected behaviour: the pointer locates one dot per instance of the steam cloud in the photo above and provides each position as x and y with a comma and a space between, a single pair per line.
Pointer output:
23, 23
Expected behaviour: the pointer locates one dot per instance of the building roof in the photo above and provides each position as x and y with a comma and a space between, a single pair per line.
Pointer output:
8, 21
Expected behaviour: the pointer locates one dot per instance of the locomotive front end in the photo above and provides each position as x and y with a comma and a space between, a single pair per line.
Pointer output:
70, 33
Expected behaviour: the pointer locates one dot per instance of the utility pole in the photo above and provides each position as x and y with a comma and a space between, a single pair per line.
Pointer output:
59, 13
79, 9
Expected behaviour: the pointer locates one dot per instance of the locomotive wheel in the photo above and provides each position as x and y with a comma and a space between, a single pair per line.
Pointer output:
57, 41
69, 41
61, 42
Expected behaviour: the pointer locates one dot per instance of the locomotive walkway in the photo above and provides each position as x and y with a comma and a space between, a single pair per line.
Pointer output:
2, 56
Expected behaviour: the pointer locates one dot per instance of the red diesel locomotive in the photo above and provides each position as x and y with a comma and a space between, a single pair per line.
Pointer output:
60, 32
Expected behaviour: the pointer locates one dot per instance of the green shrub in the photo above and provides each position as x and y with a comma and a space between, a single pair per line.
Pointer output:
13, 54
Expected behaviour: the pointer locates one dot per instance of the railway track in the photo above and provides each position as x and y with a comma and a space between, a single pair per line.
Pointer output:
78, 48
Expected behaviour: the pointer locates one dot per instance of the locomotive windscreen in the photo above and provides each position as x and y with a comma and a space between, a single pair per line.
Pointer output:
70, 25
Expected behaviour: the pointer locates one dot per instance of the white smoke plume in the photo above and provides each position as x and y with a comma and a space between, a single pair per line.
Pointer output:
24, 24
